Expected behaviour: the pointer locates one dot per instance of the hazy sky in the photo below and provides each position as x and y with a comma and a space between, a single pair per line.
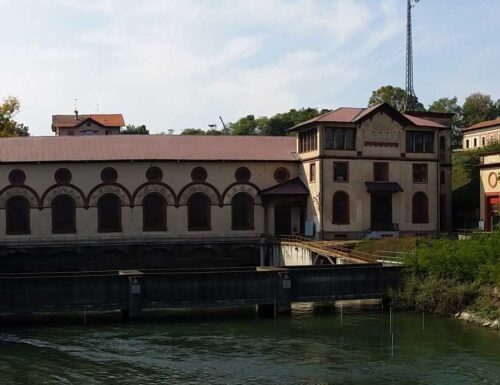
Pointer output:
180, 63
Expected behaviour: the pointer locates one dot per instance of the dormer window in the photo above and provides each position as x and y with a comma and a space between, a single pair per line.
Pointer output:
340, 138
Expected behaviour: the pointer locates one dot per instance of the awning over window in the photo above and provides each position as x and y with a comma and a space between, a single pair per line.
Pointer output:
383, 187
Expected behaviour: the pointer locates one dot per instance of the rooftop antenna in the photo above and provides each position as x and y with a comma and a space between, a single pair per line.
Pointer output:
76, 108
411, 98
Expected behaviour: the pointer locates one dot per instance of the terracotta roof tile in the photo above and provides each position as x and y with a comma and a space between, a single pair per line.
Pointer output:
487, 123
106, 120
146, 147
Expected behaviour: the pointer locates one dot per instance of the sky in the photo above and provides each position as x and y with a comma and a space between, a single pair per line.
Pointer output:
175, 64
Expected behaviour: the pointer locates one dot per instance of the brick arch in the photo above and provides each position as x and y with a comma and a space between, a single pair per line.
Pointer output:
67, 189
154, 187
199, 187
239, 187
109, 188
20, 190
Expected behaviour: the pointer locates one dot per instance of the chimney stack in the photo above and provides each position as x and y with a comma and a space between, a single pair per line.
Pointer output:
76, 114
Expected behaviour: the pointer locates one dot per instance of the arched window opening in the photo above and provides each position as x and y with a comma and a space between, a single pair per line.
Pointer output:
340, 208
109, 213
63, 214
154, 212
199, 212
17, 211
242, 212
420, 208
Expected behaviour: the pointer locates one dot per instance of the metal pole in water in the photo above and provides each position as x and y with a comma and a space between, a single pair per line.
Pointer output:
390, 319
392, 344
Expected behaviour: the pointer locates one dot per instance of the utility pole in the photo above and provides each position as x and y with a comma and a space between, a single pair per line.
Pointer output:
410, 92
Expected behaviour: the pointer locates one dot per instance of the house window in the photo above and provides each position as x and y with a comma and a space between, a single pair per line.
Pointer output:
340, 138
308, 140
419, 141
109, 213
63, 215
340, 171
483, 140
442, 178
242, 210
312, 172
420, 208
380, 171
17, 215
475, 142
199, 207
340, 214
154, 212
419, 173
467, 143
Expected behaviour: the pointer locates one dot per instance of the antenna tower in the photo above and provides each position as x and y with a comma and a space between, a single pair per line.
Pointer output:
410, 92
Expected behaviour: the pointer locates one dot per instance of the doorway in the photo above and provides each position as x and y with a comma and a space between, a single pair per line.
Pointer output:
282, 220
381, 211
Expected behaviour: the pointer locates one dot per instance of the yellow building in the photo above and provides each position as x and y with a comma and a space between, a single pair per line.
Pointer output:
345, 174
480, 134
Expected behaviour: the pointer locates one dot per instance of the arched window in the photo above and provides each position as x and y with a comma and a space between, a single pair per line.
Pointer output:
63, 214
17, 211
109, 213
154, 212
198, 212
340, 210
242, 206
420, 208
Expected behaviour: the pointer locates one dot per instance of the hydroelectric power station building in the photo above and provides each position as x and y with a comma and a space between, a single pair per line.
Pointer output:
128, 201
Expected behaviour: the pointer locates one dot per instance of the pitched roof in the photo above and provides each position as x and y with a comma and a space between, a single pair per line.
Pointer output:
293, 187
106, 120
356, 115
147, 147
487, 123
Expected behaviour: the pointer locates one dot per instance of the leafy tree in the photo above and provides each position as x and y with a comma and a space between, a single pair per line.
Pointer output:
248, 125
193, 131
280, 123
135, 130
395, 96
479, 107
8, 126
450, 105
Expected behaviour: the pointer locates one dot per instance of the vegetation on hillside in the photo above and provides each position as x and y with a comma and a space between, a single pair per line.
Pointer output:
446, 276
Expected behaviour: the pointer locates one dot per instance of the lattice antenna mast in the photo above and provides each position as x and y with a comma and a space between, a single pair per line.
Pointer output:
410, 92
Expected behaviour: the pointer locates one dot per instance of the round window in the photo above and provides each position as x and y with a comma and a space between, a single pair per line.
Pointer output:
242, 174
17, 176
62, 176
109, 175
199, 174
154, 174
281, 174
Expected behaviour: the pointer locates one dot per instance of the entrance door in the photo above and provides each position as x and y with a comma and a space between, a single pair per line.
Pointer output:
282, 220
381, 212
492, 212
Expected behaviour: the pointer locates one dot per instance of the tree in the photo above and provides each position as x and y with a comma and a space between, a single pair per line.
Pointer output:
130, 129
280, 123
8, 126
193, 131
395, 96
479, 107
248, 125
450, 105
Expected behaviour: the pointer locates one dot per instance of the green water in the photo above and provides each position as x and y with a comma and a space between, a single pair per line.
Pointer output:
313, 346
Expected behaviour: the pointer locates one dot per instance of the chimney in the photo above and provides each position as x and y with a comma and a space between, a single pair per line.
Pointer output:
76, 114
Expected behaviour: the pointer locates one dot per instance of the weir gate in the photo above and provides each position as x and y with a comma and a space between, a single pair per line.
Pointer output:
273, 289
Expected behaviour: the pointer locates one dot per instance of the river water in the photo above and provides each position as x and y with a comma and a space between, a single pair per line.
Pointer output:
316, 345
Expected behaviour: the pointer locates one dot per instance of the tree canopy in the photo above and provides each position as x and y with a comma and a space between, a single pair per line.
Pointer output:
479, 107
130, 129
8, 126
395, 96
